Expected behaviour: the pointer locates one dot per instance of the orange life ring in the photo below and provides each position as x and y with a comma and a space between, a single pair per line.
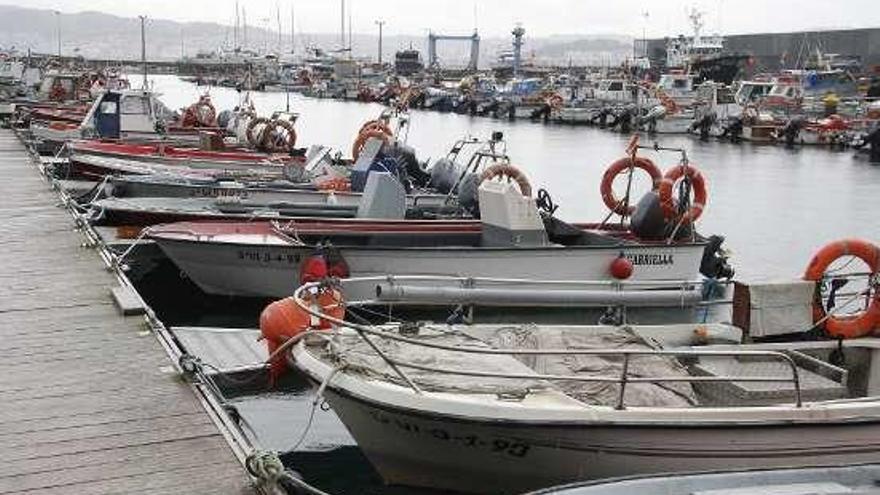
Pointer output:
365, 136
256, 139
849, 326
668, 203
279, 142
376, 124
555, 101
507, 170
616, 169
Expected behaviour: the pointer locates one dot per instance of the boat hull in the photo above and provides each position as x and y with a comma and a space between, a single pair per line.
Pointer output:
133, 188
450, 453
271, 268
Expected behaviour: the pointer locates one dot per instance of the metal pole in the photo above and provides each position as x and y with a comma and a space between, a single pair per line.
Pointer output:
143, 18
380, 23
342, 25
58, 30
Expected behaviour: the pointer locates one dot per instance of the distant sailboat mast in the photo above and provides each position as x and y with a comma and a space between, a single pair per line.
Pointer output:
342, 25
280, 46
349, 31
237, 23
292, 30
244, 26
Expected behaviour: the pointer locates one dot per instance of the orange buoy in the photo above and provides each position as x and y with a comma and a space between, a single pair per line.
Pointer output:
618, 167
284, 319
511, 172
365, 136
668, 203
847, 326
621, 268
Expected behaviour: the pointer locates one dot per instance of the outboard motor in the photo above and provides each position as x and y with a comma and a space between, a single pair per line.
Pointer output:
734, 130
443, 175
224, 118
406, 157
649, 222
714, 264
541, 113
468, 194
624, 121
602, 117
703, 124
791, 130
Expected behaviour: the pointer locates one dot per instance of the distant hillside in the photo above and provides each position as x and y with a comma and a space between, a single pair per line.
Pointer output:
97, 35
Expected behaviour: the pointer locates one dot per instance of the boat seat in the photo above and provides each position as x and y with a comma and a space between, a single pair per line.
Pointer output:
818, 381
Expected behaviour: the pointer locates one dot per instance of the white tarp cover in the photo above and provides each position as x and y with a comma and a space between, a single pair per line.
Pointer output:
361, 359
780, 308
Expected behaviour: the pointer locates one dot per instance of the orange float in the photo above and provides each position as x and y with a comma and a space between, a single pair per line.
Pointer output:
848, 326
623, 165
284, 319
511, 172
668, 203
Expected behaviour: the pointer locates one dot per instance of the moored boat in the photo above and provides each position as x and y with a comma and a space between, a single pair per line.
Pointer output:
502, 408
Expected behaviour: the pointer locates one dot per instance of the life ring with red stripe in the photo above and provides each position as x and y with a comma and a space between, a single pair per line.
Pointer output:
846, 326
511, 172
620, 166
667, 201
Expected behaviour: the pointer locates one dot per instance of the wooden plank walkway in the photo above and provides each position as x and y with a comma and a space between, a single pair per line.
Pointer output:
89, 403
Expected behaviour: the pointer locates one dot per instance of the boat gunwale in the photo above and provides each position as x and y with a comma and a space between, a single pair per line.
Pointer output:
400, 398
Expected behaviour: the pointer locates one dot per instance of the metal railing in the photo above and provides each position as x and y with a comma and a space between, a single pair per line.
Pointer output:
365, 332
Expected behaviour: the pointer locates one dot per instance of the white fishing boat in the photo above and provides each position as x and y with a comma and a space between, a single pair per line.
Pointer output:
123, 114
507, 408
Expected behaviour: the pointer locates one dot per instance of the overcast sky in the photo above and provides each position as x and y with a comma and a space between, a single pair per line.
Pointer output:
497, 17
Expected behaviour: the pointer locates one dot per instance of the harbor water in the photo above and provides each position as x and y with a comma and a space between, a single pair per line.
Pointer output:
775, 206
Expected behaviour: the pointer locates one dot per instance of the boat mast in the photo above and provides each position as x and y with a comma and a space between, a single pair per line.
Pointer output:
349, 32
143, 18
278, 20
342, 24
244, 26
292, 31
235, 31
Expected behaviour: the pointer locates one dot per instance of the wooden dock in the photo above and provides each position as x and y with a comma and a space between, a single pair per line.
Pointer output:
89, 400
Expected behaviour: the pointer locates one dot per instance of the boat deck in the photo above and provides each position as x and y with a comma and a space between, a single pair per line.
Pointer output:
89, 400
